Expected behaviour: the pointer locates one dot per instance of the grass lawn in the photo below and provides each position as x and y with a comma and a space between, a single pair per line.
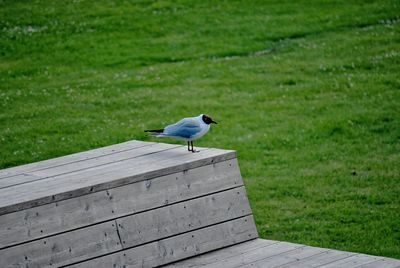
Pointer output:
308, 93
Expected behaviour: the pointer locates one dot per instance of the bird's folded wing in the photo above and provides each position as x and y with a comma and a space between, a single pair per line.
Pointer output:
186, 128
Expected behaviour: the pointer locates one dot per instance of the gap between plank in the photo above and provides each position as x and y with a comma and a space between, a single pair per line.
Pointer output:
119, 235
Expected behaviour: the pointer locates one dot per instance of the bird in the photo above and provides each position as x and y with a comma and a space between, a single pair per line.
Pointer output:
187, 129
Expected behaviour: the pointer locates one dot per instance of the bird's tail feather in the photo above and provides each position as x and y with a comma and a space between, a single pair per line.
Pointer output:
155, 132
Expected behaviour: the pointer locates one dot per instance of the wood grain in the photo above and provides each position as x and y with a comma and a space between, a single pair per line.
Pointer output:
223, 254
180, 246
252, 256
64, 248
61, 216
261, 253
81, 156
356, 260
383, 263
183, 217
52, 172
107, 176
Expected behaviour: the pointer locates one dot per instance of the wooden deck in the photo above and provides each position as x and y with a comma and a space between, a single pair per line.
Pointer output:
142, 204
261, 253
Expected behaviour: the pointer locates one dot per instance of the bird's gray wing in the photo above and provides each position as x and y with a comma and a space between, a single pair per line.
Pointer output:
186, 128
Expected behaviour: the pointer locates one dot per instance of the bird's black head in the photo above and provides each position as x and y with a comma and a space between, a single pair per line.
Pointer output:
208, 120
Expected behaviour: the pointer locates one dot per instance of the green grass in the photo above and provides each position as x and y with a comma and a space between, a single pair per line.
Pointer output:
308, 93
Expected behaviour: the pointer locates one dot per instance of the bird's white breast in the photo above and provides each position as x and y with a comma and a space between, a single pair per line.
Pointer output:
204, 129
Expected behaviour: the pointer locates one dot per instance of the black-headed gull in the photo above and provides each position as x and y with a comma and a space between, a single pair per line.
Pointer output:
187, 129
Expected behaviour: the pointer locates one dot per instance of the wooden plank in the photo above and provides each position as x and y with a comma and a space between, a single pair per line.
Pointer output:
384, 263
108, 176
255, 255
320, 259
54, 171
222, 254
104, 160
353, 261
286, 257
63, 249
183, 217
72, 158
179, 247
18, 179
303, 256
56, 217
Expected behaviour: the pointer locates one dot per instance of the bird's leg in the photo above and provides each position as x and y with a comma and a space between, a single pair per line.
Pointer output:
193, 150
189, 146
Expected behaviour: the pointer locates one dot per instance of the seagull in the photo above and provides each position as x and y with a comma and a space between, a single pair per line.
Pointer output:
187, 129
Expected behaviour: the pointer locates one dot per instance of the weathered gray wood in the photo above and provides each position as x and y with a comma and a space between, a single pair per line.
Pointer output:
18, 179
291, 256
72, 158
102, 161
107, 176
183, 217
260, 253
384, 263
180, 246
52, 172
64, 248
255, 255
353, 261
321, 259
223, 254
85, 210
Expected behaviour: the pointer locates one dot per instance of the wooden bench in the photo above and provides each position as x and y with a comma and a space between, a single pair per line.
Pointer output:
138, 204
